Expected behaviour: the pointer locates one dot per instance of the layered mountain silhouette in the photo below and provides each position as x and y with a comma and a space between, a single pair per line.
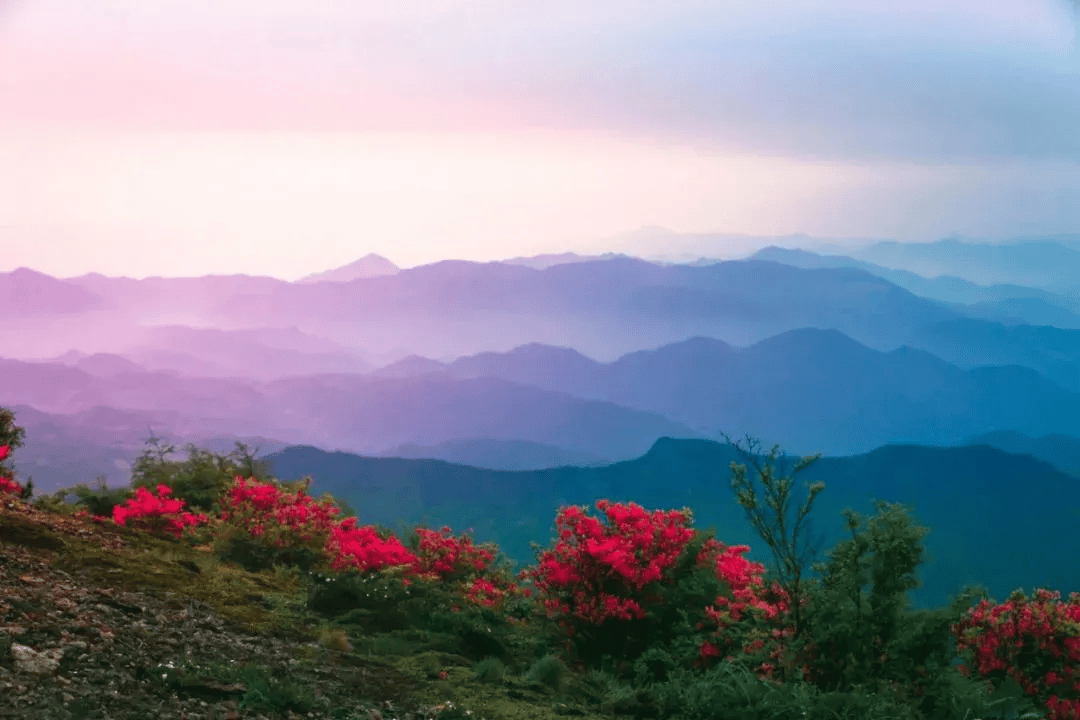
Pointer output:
1061, 451
602, 307
810, 390
209, 350
25, 293
356, 412
1054, 352
965, 496
1003, 302
259, 354
1040, 263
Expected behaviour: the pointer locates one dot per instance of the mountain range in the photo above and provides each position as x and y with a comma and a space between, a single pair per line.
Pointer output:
944, 375
604, 308
555, 359
809, 390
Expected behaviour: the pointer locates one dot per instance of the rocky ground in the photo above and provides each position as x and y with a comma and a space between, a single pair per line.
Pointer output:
73, 647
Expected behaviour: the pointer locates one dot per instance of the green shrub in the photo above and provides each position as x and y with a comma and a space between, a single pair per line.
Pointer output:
857, 637
98, 500
490, 671
654, 666
549, 671
375, 602
255, 556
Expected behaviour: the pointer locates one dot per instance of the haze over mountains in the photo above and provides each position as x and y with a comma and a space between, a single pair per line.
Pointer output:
832, 356
507, 389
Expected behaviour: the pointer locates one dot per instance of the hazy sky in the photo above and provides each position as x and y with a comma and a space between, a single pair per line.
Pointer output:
283, 137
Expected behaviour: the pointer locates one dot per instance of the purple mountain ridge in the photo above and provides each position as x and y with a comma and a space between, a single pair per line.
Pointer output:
25, 293
602, 307
596, 357
348, 411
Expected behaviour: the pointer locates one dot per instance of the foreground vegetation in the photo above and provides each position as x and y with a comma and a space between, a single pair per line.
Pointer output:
439, 655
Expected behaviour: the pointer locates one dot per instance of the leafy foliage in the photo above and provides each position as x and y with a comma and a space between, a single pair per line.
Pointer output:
201, 479
10, 434
772, 522
98, 500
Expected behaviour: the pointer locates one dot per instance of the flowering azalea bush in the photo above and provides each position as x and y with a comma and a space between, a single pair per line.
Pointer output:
1035, 642
752, 616
593, 569
622, 587
156, 513
457, 561
264, 523
8, 486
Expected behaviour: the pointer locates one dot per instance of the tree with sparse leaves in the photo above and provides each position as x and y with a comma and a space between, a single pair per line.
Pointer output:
202, 479
771, 522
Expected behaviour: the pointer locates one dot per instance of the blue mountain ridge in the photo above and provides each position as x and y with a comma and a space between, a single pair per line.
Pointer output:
982, 529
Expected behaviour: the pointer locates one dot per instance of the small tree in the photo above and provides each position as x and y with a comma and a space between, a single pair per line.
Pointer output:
771, 522
859, 636
202, 478
12, 436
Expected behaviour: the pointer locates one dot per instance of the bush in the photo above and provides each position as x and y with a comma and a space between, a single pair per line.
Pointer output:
490, 671
99, 500
252, 555
200, 480
550, 672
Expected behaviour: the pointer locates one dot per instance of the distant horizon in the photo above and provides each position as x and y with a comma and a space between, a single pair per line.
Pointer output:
743, 246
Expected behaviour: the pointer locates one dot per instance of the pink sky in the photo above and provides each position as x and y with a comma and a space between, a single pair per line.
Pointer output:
145, 137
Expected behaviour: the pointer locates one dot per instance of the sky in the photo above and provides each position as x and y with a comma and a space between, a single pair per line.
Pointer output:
286, 137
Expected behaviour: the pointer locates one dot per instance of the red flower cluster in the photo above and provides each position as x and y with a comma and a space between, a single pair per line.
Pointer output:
1018, 637
8, 484
593, 568
444, 555
153, 512
749, 595
628, 554
261, 507
363, 549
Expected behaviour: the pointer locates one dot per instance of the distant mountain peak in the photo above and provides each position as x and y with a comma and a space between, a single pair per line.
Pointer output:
371, 265
25, 272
